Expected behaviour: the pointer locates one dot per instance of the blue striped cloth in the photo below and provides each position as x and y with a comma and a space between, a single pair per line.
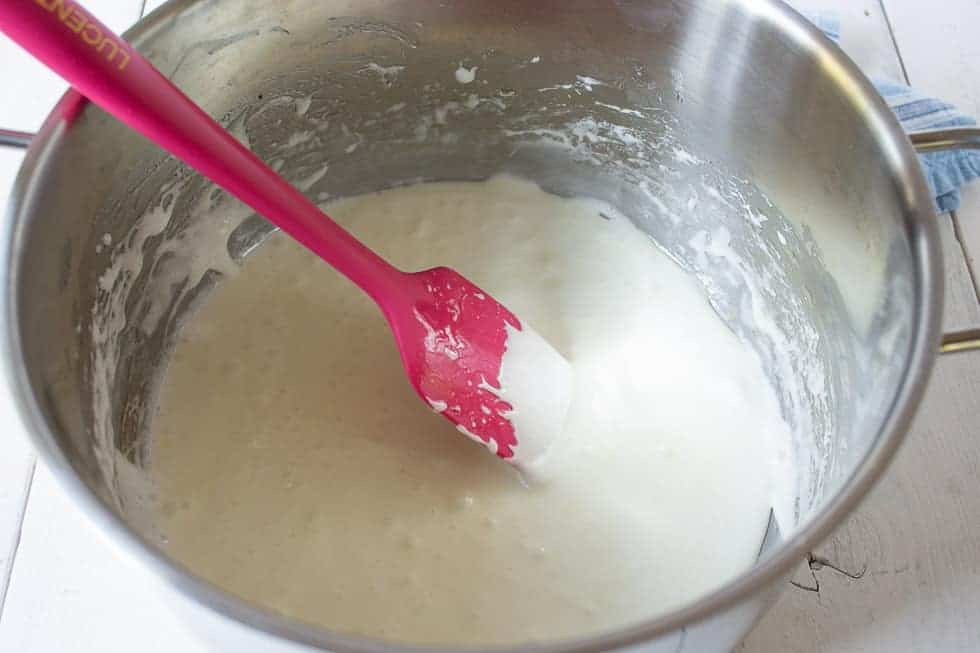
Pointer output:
945, 171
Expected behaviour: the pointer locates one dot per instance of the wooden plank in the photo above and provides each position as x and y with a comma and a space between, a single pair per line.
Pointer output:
70, 591
864, 34
940, 48
967, 222
962, 310
16, 456
30, 89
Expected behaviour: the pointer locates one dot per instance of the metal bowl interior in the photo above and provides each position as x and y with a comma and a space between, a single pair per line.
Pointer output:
811, 209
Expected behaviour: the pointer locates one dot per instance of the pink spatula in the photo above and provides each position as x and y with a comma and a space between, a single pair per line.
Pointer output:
470, 358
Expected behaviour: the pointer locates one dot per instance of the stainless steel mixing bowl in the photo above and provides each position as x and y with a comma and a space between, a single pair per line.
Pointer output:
731, 131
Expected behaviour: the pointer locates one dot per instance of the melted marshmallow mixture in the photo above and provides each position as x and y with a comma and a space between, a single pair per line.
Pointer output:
297, 468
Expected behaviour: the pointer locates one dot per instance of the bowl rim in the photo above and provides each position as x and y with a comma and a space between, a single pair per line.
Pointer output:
925, 335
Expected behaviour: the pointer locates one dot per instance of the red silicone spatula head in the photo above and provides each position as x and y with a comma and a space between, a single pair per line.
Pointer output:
477, 365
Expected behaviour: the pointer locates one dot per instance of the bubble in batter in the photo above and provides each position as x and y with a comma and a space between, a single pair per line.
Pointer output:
296, 467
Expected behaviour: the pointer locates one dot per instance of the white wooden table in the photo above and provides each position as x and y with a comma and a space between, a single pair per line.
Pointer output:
903, 574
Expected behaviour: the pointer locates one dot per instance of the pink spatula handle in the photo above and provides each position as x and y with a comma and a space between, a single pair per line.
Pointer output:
110, 73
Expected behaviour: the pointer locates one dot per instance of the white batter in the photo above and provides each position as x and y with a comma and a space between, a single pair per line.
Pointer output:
298, 469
